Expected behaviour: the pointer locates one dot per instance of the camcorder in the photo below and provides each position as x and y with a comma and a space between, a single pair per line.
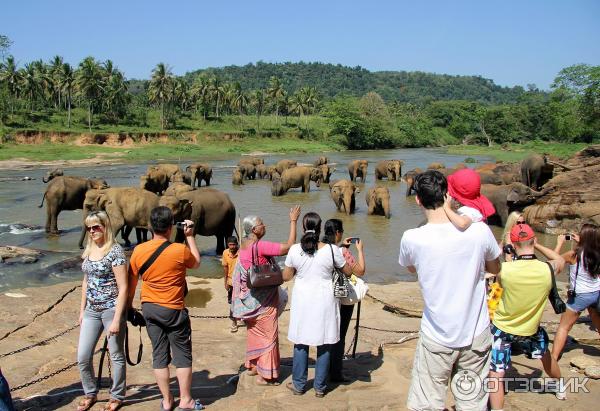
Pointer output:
182, 225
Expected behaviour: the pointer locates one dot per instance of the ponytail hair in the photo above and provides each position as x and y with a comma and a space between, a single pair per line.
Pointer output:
331, 228
311, 224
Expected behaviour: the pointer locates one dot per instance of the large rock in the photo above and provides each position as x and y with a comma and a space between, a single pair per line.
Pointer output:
593, 372
10, 251
582, 362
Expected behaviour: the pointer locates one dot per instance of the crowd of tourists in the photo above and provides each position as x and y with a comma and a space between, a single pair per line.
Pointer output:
454, 255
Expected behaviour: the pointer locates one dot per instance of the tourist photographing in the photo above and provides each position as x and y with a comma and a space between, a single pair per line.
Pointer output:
584, 282
333, 231
315, 313
449, 264
526, 284
162, 266
103, 302
260, 307
228, 261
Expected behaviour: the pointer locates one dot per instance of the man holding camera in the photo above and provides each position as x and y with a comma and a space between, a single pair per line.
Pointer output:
162, 267
526, 283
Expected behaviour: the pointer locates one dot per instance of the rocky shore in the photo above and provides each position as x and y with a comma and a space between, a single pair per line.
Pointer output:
380, 373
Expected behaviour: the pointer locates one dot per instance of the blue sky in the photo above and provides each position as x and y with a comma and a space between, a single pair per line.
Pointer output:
511, 42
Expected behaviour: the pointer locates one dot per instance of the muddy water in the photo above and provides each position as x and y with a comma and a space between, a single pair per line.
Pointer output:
22, 222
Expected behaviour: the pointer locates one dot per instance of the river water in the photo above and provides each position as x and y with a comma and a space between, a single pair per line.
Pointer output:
22, 222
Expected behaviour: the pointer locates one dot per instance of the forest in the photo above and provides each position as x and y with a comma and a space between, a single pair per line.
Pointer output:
359, 108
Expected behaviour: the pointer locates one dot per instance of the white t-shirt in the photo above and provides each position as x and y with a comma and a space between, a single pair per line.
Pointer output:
471, 212
450, 265
314, 312
585, 282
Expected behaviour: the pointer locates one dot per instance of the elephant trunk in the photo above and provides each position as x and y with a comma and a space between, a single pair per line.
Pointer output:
43, 198
349, 203
385, 204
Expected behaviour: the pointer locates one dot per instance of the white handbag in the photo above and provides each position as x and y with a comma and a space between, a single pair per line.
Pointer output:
357, 289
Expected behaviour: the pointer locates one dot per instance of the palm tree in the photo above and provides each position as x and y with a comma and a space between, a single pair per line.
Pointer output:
55, 72
67, 86
216, 92
275, 93
285, 104
298, 104
228, 96
258, 102
10, 75
29, 85
43, 79
88, 84
182, 93
160, 90
240, 100
115, 95
200, 92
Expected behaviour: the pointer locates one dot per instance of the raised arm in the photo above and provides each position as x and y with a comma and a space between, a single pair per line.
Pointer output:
294, 214
554, 258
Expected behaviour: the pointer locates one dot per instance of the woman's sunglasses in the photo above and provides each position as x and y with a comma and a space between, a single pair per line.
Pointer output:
94, 228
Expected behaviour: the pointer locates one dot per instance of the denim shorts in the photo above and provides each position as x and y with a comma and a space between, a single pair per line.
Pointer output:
583, 301
534, 346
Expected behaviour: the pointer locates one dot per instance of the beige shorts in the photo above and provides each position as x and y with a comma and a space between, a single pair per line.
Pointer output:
436, 366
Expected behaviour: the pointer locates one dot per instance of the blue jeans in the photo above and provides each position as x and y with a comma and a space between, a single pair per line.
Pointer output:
300, 367
6, 403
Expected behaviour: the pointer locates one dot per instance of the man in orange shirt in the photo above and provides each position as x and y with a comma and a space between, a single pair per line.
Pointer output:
228, 261
163, 290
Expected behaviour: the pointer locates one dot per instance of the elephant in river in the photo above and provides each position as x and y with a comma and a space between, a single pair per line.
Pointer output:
127, 207
211, 210
390, 169
320, 161
536, 171
284, 165
378, 201
261, 171
327, 170
508, 198
409, 178
168, 169
436, 166
296, 177
57, 172
358, 168
177, 188
157, 178
343, 195
247, 170
237, 178
185, 178
66, 193
199, 172
272, 171
255, 161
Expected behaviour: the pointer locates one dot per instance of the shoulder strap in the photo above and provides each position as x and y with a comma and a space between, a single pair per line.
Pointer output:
552, 275
576, 271
332, 257
255, 252
153, 257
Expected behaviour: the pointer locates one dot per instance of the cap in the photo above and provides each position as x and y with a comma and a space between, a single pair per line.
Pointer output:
521, 232
465, 185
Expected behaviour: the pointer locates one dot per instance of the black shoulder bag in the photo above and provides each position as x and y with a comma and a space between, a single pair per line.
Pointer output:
557, 303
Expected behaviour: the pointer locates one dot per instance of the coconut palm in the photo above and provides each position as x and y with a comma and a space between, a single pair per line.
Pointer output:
275, 93
182, 95
285, 104
29, 85
160, 90
54, 75
258, 102
67, 86
298, 104
88, 84
216, 92
200, 93
228, 97
10, 75
42, 77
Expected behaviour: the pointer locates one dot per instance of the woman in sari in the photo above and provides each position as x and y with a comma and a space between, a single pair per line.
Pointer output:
260, 307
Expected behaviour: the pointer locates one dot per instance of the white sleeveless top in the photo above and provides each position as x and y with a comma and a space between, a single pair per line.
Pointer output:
585, 282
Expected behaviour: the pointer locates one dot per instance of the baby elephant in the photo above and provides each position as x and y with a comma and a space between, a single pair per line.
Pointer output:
237, 178
378, 201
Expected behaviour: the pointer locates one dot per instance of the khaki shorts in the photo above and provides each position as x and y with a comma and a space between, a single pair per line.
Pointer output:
435, 366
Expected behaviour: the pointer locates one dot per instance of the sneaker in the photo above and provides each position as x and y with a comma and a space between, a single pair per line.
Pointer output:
558, 388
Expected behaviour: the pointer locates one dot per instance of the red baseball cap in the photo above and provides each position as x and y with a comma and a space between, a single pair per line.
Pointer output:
521, 232
465, 185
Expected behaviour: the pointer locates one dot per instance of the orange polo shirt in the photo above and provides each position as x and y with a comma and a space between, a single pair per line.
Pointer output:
229, 260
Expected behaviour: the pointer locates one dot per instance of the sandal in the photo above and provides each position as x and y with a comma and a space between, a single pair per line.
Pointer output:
113, 405
290, 386
86, 402
197, 406
263, 382
233, 329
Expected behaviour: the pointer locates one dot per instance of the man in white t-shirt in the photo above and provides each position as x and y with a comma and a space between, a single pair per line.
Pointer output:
455, 339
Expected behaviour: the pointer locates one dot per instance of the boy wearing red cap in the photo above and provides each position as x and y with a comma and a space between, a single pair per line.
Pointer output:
464, 186
526, 282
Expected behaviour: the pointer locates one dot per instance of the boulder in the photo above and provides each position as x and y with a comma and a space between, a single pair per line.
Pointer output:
582, 362
593, 372
10, 251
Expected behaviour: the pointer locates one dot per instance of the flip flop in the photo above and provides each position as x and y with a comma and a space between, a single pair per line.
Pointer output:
162, 408
87, 402
197, 406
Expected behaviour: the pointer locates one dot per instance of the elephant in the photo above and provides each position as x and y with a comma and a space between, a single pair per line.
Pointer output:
488, 177
237, 178
57, 172
409, 178
285, 164
536, 171
391, 169
199, 172
178, 187
435, 166
127, 207
358, 168
168, 169
247, 170
157, 178
255, 161
320, 161
343, 195
327, 170
211, 210
272, 171
378, 201
508, 198
296, 177
261, 170
66, 193
185, 178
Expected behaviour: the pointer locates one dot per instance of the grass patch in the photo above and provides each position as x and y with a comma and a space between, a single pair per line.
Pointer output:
517, 152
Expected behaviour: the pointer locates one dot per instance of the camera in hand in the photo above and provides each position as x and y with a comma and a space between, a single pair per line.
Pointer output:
354, 240
136, 318
508, 249
568, 237
182, 225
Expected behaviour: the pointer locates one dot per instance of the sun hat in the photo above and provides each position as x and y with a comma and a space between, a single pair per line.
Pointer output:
464, 186
521, 232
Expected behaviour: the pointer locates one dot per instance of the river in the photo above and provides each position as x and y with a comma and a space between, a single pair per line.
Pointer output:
19, 202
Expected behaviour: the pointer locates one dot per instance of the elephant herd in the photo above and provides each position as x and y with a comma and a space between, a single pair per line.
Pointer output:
508, 186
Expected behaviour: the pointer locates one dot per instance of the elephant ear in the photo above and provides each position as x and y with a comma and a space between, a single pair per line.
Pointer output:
101, 202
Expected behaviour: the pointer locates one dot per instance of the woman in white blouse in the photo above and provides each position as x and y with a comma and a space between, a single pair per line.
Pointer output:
315, 313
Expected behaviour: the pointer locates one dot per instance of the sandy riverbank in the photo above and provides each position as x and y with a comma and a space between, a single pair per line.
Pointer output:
380, 374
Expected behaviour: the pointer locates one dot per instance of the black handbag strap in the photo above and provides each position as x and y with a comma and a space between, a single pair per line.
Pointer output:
554, 289
153, 257
140, 348
576, 272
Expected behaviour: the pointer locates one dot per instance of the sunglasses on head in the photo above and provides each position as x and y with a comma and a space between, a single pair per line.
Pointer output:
94, 228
